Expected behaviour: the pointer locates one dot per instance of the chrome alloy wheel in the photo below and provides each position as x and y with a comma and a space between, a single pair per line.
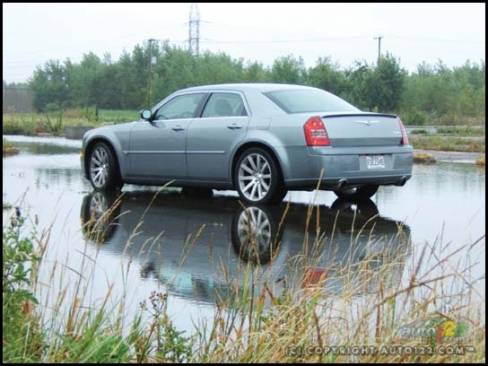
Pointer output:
254, 229
98, 205
99, 166
254, 177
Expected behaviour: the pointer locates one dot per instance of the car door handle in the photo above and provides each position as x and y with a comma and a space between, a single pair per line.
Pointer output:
234, 126
177, 128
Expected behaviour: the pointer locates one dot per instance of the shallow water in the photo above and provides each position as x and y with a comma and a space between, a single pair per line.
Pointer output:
184, 242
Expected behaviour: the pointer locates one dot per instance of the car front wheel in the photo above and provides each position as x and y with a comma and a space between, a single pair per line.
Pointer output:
103, 170
257, 177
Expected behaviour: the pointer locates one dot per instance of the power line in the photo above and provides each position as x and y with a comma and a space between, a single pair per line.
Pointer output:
288, 40
77, 58
104, 41
431, 39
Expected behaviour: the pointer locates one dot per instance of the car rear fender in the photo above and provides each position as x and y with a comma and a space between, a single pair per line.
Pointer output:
267, 140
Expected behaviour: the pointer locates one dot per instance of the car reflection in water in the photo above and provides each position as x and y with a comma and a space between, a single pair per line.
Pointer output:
204, 248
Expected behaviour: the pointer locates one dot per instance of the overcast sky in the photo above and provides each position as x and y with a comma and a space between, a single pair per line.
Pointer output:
35, 33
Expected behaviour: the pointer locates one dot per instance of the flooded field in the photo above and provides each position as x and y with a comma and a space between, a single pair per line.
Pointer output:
193, 248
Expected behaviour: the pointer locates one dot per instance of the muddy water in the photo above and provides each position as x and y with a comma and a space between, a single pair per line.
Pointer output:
183, 243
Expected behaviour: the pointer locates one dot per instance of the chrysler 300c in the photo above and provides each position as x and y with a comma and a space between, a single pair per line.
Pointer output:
259, 139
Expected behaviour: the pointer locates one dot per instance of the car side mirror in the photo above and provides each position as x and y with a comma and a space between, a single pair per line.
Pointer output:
146, 114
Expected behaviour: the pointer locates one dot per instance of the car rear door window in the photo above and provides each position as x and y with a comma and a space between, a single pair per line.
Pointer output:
182, 106
225, 105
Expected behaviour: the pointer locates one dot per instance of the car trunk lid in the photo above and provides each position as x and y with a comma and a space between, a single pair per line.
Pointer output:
362, 129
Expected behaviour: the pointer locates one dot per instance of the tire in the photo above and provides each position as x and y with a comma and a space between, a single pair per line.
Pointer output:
357, 193
252, 245
103, 170
257, 177
99, 216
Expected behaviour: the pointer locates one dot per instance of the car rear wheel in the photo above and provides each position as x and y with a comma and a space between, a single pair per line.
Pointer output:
257, 177
103, 169
356, 192
255, 235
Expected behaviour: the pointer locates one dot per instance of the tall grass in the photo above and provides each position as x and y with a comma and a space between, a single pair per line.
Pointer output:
55, 121
448, 143
300, 320
8, 148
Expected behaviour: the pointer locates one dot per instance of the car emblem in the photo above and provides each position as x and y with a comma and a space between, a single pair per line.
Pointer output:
367, 122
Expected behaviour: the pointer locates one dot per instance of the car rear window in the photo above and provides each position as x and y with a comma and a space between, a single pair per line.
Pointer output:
300, 101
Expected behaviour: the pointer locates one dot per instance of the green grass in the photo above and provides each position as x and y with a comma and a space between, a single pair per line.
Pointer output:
264, 327
423, 158
420, 118
8, 148
419, 132
55, 122
111, 115
450, 119
453, 131
462, 130
7, 144
447, 143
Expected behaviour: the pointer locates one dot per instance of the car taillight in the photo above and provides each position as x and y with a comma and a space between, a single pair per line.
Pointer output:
404, 134
315, 132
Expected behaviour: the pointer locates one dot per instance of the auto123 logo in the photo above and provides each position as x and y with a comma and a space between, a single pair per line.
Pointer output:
438, 327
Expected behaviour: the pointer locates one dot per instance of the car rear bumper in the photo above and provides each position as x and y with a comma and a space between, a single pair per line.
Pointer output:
338, 166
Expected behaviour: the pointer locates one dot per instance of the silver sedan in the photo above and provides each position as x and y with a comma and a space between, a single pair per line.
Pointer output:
260, 139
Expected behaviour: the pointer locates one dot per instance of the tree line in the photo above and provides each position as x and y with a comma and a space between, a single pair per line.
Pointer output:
150, 72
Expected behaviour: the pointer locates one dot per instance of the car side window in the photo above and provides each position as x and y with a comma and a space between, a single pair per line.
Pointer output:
224, 105
182, 106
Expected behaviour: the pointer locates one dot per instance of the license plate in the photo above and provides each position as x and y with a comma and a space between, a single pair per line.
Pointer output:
375, 162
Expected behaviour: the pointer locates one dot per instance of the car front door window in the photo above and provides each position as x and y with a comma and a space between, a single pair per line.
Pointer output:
182, 106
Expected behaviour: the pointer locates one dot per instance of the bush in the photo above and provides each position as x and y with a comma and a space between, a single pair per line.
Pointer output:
54, 124
21, 328
414, 117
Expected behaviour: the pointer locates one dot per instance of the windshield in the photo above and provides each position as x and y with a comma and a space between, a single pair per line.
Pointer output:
300, 101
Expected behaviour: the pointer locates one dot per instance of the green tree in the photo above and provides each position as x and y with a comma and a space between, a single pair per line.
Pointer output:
288, 70
434, 92
386, 85
50, 86
256, 73
326, 75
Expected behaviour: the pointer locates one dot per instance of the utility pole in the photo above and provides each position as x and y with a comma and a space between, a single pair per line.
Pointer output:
379, 48
152, 60
194, 30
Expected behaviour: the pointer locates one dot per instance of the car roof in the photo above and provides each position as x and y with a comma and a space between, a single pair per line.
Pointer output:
261, 87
